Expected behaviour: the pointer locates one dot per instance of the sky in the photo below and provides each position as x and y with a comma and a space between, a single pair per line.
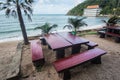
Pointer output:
54, 6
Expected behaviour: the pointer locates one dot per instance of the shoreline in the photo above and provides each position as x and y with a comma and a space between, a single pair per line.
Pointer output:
67, 30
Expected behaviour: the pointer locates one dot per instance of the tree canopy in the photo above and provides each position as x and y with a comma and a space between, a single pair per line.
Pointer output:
108, 7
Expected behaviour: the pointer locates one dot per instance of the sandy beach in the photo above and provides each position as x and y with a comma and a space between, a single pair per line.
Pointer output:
108, 70
7, 52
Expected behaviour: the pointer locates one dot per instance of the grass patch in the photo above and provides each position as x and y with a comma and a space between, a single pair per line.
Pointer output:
87, 33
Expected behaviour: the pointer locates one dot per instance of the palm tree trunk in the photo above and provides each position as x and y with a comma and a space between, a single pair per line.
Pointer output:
22, 25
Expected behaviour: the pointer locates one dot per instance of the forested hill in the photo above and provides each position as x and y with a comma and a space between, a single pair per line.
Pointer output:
108, 7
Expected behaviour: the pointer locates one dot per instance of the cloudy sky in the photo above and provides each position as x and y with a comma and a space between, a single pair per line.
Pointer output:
54, 6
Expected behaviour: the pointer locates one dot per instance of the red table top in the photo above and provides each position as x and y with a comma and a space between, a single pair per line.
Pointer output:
73, 39
56, 42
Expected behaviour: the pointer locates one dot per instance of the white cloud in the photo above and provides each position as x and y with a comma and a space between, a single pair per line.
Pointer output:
54, 6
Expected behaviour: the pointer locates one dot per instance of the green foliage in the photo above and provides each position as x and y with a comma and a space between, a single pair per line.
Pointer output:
75, 23
46, 28
87, 33
13, 8
10, 7
106, 5
112, 21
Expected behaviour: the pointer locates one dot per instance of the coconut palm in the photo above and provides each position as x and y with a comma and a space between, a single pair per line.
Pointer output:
75, 23
112, 21
14, 7
46, 28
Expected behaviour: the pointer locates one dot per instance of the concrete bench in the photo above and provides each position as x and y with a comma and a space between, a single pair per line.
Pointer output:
91, 45
64, 64
37, 54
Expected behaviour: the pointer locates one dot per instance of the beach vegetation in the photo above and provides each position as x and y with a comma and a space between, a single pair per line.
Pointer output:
15, 9
46, 28
109, 7
89, 32
112, 21
75, 23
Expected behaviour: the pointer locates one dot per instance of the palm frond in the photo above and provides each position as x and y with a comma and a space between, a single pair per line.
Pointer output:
46, 28
9, 1
14, 13
7, 12
30, 10
29, 17
29, 1
54, 25
104, 21
80, 19
68, 26
51, 27
37, 28
3, 8
75, 23
82, 24
26, 7
25, 11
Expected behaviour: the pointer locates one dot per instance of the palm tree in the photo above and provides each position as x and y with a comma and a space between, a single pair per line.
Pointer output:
46, 28
14, 7
112, 21
75, 23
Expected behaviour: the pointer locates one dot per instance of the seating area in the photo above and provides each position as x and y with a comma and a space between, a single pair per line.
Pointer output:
113, 31
91, 45
93, 55
62, 63
37, 53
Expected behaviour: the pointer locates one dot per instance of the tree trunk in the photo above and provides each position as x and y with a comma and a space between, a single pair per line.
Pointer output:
22, 25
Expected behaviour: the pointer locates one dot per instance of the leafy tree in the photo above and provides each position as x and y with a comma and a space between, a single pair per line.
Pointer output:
106, 5
75, 23
14, 7
46, 28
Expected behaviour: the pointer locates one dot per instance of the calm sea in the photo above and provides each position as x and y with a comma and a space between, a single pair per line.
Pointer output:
10, 28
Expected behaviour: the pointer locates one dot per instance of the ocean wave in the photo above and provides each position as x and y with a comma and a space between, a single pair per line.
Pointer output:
12, 31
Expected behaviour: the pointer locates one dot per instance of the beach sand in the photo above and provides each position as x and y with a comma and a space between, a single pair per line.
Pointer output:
7, 52
108, 70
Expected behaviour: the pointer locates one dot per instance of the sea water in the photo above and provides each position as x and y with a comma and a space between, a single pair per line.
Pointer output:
10, 27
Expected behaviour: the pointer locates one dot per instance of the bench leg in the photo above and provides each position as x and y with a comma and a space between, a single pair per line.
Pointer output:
76, 49
97, 60
60, 53
117, 39
67, 75
39, 63
49, 47
89, 47
102, 35
43, 41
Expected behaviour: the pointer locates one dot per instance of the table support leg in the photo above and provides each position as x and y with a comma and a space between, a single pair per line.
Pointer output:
102, 35
97, 60
67, 75
60, 53
43, 41
76, 49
